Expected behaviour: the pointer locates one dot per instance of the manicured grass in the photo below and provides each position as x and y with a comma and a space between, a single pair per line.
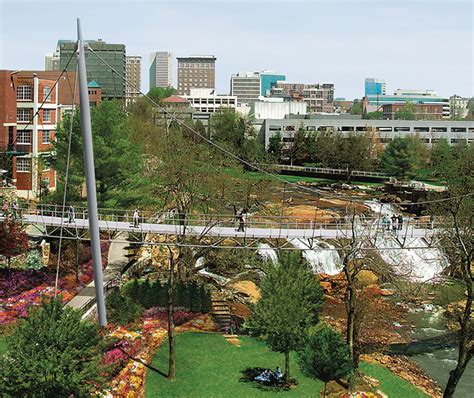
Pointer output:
3, 346
208, 366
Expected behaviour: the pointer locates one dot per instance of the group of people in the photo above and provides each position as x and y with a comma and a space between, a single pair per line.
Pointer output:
14, 210
269, 377
394, 223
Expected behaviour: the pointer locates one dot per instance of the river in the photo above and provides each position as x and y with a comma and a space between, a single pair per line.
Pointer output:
436, 361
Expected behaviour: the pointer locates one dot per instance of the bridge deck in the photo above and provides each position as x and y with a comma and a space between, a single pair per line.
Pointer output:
323, 231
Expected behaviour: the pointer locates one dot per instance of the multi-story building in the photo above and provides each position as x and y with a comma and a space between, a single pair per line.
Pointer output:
420, 111
29, 132
267, 80
51, 61
196, 72
372, 103
246, 87
374, 86
161, 69
206, 101
341, 105
459, 106
430, 131
318, 97
276, 108
112, 85
133, 74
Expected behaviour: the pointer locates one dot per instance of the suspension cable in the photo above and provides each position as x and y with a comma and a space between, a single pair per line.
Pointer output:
66, 177
243, 161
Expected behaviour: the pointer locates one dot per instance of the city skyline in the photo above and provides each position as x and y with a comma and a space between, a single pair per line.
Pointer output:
416, 44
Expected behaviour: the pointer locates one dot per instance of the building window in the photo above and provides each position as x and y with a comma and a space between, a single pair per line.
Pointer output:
46, 137
23, 93
46, 93
23, 165
23, 115
23, 137
46, 115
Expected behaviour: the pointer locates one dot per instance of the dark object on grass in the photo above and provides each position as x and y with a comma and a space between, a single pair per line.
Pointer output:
274, 384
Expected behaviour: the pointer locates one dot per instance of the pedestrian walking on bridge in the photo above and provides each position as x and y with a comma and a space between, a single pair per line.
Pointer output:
71, 213
136, 218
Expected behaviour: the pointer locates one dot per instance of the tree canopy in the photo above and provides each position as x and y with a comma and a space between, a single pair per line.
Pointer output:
118, 162
402, 156
291, 299
52, 353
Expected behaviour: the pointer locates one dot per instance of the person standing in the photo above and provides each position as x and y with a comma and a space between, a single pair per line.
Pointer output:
71, 214
400, 222
136, 218
394, 222
240, 219
15, 209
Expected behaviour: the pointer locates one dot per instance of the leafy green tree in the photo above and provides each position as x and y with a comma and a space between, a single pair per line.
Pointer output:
52, 353
275, 147
291, 299
325, 356
195, 298
440, 154
13, 239
146, 294
356, 108
296, 149
402, 156
122, 309
118, 163
407, 112
206, 300
158, 94
354, 151
131, 289
377, 115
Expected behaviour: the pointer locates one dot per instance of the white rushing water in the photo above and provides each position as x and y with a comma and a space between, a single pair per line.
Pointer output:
421, 264
321, 260
221, 280
267, 253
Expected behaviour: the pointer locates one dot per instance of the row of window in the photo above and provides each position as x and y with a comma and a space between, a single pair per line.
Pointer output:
23, 165
25, 93
24, 137
195, 65
24, 115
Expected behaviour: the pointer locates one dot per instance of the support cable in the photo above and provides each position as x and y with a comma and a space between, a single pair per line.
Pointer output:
66, 177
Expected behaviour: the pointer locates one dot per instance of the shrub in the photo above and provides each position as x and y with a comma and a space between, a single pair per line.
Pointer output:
121, 309
33, 260
53, 353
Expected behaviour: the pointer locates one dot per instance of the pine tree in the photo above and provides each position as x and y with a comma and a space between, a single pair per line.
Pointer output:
205, 300
325, 356
195, 298
53, 353
291, 299
155, 293
184, 300
131, 289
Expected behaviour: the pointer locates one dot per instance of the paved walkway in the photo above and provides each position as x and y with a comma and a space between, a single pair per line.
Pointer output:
328, 231
116, 260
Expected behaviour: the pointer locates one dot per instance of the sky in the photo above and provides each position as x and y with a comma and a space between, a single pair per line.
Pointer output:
420, 44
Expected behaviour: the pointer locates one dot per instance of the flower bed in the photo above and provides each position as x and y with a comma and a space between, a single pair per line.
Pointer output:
140, 341
21, 289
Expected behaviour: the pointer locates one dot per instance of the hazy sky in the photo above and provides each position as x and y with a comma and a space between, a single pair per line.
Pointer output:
426, 44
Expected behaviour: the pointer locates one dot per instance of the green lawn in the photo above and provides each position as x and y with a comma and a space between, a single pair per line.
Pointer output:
208, 366
3, 345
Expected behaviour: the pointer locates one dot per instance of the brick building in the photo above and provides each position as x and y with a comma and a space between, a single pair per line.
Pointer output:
318, 97
26, 143
421, 111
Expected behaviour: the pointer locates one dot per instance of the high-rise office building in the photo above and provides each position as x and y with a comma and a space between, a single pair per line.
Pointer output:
245, 86
112, 85
161, 69
374, 86
196, 72
133, 73
268, 80
51, 61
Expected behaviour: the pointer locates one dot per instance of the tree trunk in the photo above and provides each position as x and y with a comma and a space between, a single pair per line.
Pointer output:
351, 314
324, 390
287, 367
171, 363
465, 352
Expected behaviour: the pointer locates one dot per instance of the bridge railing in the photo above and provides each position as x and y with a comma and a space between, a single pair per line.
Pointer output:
112, 216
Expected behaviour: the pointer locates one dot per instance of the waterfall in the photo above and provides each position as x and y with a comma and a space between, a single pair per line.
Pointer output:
267, 253
320, 258
421, 264
221, 280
